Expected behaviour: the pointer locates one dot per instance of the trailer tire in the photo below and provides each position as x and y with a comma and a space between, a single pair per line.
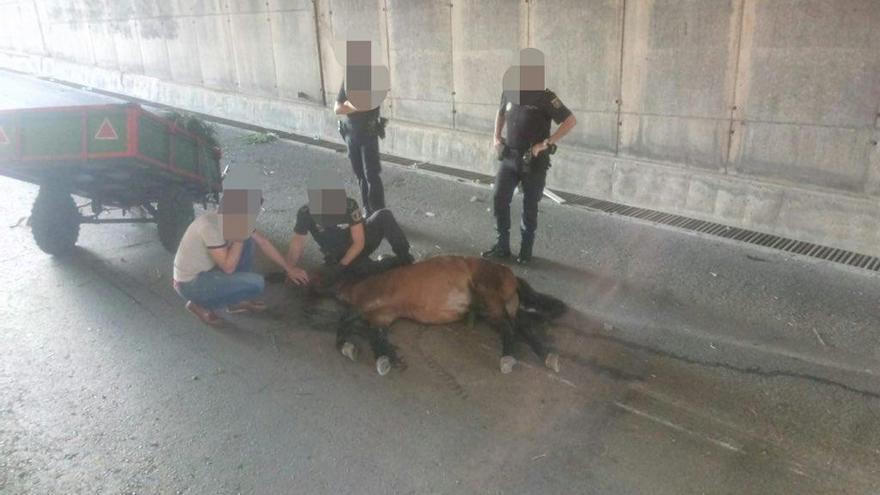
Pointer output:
174, 213
55, 221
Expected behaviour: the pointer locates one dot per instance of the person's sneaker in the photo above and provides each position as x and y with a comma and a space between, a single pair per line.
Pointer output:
497, 251
406, 259
247, 307
207, 316
524, 258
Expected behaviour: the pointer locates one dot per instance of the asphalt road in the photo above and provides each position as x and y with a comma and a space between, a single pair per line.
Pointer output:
690, 365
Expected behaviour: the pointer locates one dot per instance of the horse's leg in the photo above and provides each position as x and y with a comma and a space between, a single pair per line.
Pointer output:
525, 329
505, 328
494, 309
383, 350
344, 330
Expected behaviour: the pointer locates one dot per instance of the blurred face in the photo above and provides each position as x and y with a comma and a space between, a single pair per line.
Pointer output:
238, 212
366, 84
531, 78
327, 206
522, 81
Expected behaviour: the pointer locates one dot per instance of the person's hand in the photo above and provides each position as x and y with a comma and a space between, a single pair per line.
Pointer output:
497, 141
298, 275
537, 148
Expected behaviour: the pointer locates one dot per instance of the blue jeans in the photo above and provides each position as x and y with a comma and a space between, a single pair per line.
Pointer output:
215, 289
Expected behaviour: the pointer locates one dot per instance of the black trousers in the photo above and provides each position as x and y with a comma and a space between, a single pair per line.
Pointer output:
363, 152
382, 225
509, 175
379, 226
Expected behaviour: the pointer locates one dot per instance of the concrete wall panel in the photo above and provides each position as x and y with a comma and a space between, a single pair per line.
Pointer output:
103, 45
679, 60
20, 26
820, 132
11, 26
69, 41
128, 50
254, 54
581, 173
684, 140
811, 61
215, 52
820, 156
581, 42
872, 183
480, 56
421, 69
296, 52
196, 8
183, 52
362, 17
152, 34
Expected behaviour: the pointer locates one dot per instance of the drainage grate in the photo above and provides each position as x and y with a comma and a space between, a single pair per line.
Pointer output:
803, 248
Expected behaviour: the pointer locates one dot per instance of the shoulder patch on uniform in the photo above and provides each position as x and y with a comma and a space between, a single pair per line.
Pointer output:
356, 215
556, 103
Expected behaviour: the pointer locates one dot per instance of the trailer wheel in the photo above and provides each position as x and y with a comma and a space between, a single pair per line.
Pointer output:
55, 221
174, 213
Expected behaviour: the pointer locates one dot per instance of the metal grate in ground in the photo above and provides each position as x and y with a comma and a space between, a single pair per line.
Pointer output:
835, 255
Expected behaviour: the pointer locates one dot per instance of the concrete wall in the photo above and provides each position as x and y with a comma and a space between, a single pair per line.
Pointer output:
763, 114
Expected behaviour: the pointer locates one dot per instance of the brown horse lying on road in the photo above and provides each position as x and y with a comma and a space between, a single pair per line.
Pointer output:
443, 290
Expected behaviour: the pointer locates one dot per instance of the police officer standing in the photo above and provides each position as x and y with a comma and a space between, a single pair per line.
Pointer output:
527, 108
359, 99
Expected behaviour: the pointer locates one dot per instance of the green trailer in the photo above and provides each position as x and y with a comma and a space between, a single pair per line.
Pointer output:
119, 156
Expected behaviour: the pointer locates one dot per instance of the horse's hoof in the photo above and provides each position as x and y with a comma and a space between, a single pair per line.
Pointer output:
383, 365
350, 351
552, 361
507, 363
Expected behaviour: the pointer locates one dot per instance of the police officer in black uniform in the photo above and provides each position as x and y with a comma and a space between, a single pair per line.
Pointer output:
525, 155
347, 240
361, 131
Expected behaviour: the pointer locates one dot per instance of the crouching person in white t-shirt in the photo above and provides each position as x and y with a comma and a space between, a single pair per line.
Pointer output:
213, 267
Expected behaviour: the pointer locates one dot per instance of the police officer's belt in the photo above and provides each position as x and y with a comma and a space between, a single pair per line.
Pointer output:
372, 127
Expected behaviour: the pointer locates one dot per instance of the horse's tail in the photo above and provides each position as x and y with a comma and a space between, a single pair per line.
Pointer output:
533, 301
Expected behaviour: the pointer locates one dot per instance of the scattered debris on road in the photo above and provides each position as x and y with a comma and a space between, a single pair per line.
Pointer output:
260, 138
23, 221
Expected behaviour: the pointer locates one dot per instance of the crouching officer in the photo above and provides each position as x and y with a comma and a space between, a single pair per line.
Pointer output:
527, 108
345, 238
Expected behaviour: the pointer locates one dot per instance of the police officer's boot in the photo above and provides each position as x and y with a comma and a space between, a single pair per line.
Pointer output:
525, 248
501, 249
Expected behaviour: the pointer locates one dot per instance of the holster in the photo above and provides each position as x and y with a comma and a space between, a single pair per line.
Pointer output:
376, 127
528, 161
380, 131
343, 129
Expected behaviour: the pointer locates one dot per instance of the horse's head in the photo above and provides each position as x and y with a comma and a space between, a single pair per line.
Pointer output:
328, 280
